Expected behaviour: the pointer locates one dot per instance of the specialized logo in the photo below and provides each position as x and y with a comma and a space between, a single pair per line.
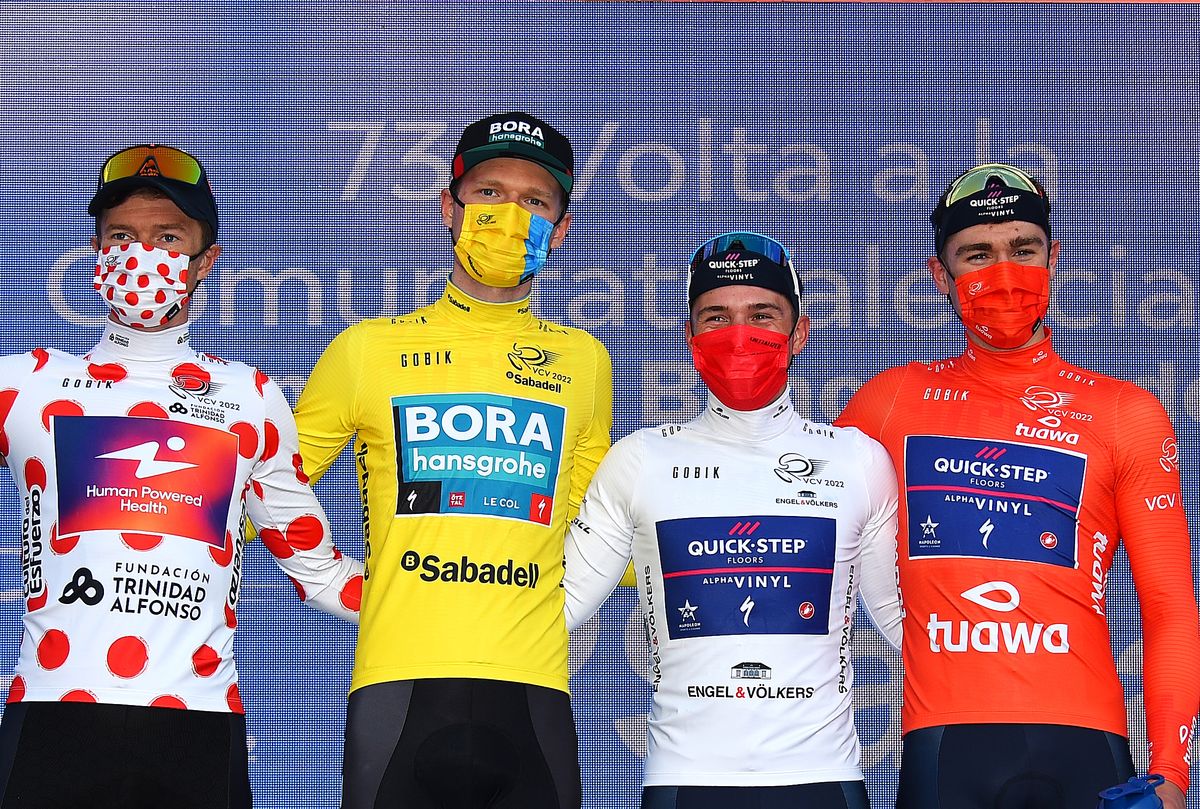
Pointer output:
992, 499
745, 609
152, 476
755, 575
494, 455
796, 468
1170, 455
465, 570
993, 637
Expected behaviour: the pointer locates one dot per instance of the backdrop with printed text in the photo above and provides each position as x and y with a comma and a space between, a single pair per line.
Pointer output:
327, 130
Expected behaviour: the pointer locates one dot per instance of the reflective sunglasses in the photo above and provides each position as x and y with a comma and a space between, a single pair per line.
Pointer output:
152, 161
977, 180
753, 242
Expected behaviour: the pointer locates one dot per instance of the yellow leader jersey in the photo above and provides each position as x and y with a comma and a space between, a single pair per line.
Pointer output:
479, 427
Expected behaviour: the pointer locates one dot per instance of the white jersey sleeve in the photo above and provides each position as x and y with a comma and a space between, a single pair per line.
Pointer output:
879, 589
292, 524
600, 540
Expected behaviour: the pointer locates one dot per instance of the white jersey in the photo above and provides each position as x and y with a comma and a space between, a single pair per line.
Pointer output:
751, 535
137, 465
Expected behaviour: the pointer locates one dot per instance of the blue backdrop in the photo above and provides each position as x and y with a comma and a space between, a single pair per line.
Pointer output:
327, 130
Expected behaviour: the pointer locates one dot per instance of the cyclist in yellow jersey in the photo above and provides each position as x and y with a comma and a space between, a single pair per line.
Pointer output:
478, 428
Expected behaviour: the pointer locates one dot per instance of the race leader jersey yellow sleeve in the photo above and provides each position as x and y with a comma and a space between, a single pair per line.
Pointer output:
478, 429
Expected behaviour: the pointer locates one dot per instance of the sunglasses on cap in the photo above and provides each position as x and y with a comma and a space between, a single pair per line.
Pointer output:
977, 179
752, 242
152, 161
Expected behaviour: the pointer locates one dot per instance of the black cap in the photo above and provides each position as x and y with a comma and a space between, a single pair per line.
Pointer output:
176, 173
747, 259
992, 192
516, 134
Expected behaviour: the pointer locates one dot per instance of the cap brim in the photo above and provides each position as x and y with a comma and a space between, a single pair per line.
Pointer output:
181, 194
522, 151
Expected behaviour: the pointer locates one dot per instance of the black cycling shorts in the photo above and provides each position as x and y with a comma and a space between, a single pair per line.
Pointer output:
1002, 766
828, 795
73, 755
460, 744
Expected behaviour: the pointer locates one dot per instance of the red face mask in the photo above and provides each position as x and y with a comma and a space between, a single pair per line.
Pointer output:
744, 366
1004, 303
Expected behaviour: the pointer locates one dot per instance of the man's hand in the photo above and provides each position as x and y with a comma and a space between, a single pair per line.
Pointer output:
1171, 796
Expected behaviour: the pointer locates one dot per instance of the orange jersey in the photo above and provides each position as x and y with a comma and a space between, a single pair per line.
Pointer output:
1018, 474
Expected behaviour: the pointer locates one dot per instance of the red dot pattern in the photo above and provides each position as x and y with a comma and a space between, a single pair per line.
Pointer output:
301, 534
148, 410
62, 545
190, 376
351, 595
141, 542
169, 701
299, 588
247, 439
37, 602
127, 657
7, 397
205, 661
16, 691
60, 407
35, 474
257, 488
234, 699
298, 465
270, 440
223, 556
108, 372
230, 617
41, 357
53, 648
78, 695
260, 381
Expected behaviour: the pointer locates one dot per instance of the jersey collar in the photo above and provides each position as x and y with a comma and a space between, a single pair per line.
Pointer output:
119, 342
996, 365
742, 426
460, 308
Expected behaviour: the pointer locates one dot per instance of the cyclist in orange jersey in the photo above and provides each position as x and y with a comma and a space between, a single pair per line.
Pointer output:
1019, 473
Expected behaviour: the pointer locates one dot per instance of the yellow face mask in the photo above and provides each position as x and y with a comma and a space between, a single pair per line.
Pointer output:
503, 245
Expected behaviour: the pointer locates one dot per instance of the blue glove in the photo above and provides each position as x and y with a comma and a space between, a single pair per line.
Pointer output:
1136, 793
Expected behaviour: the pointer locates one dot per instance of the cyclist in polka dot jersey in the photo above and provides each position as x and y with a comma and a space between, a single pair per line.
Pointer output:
137, 466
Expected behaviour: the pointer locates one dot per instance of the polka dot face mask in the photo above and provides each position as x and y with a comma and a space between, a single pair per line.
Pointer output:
144, 286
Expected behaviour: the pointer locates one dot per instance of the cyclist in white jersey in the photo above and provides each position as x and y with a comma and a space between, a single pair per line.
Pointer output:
752, 532
138, 465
